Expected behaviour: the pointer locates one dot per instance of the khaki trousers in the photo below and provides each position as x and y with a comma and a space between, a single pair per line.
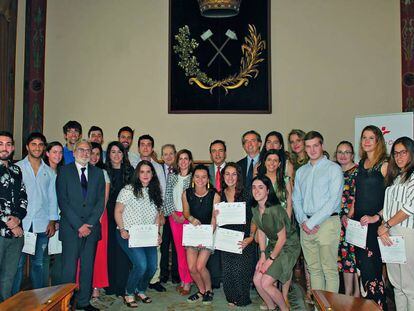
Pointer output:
321, 254
401, 276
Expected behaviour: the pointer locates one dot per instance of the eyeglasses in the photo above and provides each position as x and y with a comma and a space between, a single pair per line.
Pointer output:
344, 152
82, 150
401, 153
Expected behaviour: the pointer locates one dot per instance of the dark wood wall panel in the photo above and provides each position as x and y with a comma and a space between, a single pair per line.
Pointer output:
8, 25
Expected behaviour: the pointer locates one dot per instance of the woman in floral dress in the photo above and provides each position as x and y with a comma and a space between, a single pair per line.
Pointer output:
346, 252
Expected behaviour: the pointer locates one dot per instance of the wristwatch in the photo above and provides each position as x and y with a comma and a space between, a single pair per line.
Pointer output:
387, 225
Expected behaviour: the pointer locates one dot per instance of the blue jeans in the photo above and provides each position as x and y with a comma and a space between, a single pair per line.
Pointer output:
36, 265
144, 265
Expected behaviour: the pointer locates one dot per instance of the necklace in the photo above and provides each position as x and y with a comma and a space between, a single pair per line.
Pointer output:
201, 197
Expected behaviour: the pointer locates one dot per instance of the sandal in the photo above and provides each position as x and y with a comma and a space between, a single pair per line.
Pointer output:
130, 304
185, 292
146, 299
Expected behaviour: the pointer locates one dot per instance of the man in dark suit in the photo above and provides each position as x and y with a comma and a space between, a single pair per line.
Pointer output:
251, 142
168, 153
218, 156
80, 190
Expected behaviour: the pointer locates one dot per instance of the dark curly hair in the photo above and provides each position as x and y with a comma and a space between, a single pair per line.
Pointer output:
154, 188
126, 168
239, 195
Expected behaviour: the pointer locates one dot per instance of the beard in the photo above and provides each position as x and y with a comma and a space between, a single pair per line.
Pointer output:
4, 156
82, 161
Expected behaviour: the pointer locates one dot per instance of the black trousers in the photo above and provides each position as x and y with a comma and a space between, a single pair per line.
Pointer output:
83, 249
167, 240
214, 266
118, 264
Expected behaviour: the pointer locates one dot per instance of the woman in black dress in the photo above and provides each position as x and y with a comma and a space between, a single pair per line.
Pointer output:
120, 171
198, 202
369, 200
237, 267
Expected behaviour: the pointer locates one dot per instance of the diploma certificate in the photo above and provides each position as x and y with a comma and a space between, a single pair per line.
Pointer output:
356, 234
231, 213
54, 246
394, 253
143, 236
29, 243
228, 240
198, 235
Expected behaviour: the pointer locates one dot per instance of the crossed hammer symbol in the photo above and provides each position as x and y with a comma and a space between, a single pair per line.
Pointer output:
231, 35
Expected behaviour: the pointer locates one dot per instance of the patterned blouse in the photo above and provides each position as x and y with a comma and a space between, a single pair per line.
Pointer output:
13, 197
137, 210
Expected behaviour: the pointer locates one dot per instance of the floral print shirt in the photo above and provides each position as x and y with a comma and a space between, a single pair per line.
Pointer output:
13, 197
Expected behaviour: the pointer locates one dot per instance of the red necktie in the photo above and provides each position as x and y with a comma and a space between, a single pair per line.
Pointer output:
218, 185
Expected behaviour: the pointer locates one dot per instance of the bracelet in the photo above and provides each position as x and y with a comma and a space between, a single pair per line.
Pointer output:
380, 217
387, 225
271, 258
120, 228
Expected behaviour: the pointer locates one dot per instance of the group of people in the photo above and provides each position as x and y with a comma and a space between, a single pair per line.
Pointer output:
297, 201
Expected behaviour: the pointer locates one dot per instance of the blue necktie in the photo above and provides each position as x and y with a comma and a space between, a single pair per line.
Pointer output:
84, 183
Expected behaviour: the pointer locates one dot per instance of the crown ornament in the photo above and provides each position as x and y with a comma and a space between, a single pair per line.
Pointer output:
219, 8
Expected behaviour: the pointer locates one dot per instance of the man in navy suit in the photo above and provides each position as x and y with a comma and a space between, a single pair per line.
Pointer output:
80, 190
252, 142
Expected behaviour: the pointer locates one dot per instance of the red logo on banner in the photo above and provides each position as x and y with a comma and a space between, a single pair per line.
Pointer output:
384, 130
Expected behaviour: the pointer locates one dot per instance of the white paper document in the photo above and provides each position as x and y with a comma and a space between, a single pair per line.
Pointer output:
231, 213
356, 234
55, 246
228, 240
143, 236
394, 253
198, 235
29, 243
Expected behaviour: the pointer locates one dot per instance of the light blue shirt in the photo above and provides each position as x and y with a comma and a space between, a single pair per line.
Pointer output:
41, 196
318, 191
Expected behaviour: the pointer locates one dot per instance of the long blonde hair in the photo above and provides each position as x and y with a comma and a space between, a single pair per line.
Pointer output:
380, 151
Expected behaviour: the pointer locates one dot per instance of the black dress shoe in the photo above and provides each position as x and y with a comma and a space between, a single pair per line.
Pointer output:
164, 279
158, 287
88, 308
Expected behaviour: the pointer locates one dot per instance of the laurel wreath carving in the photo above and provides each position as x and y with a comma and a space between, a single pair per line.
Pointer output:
252, 49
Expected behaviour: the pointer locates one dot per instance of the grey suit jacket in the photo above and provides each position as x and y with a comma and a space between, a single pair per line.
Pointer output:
75, 210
